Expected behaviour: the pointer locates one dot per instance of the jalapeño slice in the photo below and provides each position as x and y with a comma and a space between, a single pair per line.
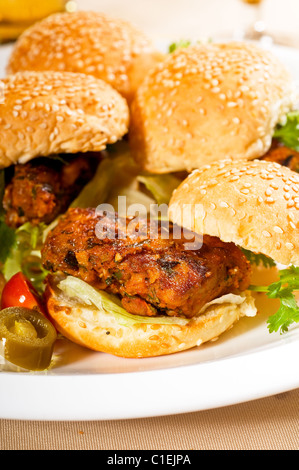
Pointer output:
27, 338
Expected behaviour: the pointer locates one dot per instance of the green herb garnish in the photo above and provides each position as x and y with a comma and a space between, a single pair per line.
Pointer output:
177, 45
283, 290
288, 134
258, 259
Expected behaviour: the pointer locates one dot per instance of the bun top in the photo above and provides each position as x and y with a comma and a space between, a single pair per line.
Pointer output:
90, 43
209, 102
253, 204
54, 112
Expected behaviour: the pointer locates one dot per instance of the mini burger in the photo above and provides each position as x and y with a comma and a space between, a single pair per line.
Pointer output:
138, 296
87, 42
53, 126
208, 102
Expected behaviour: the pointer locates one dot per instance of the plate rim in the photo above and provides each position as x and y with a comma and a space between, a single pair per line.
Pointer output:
254, 375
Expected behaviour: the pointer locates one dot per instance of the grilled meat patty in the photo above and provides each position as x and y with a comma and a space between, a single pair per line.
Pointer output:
283, 155
151, 276
45, 187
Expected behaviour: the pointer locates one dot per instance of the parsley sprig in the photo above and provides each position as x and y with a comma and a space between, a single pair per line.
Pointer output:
258, 258
283, 290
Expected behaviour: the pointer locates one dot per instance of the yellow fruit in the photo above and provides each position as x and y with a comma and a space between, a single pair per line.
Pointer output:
28, 10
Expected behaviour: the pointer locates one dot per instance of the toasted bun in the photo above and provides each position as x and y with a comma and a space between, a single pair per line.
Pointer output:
90, 43
253, 204
100, 331
207, 102
55, 112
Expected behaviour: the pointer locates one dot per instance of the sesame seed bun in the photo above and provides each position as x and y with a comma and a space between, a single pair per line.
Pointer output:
54, 112
209, 102
90, 43
254, 204
94, 329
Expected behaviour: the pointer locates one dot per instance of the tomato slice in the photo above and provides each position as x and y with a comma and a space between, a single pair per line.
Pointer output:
19, 292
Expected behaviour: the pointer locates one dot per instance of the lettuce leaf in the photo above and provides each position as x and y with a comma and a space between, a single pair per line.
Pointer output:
7, 241
186, 43
116, 172
7, 234
177, 45
110, 304
160, 186
24, 255
288, 134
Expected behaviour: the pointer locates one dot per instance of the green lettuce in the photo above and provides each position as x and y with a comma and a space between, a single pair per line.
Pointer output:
115, 175
24, 255
288, 134
160, 186
7, 234
118, 175
110, 304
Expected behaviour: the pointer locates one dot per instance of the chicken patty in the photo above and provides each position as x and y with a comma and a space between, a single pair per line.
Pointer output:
283, 155
45, 187
151, 275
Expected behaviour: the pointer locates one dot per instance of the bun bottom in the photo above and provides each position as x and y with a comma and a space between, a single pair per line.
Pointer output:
99, 331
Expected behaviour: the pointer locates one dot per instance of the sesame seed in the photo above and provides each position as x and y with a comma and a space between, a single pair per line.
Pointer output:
266, 234
289, 246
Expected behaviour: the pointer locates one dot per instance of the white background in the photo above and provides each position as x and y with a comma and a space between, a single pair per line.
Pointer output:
164, 19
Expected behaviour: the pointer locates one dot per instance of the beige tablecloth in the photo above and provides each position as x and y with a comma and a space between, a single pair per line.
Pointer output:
270, 423
267, 423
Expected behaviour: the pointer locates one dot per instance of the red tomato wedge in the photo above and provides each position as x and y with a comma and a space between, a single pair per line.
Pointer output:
19, 292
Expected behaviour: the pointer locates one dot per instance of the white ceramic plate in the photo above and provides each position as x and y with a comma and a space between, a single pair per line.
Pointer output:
244, 364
